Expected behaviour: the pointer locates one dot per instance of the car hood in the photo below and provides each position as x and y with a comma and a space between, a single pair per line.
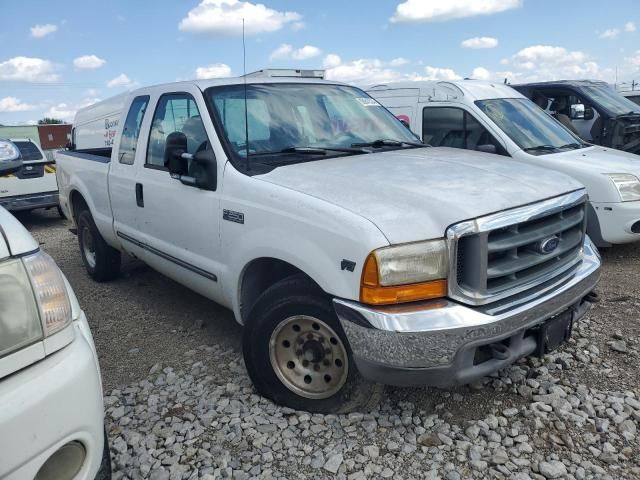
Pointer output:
14, 238
603, 160
415, 194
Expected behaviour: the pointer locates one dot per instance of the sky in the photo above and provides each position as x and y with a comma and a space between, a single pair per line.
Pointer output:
59, 56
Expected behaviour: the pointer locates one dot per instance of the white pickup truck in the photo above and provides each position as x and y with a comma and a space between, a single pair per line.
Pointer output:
352, 254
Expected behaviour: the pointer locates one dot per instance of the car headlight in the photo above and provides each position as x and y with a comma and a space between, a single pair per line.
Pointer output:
34, 302
8, 151
405, 273
628, 186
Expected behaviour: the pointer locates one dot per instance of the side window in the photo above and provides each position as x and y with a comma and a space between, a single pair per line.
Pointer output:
443, 127
131, 130
175, 112
454, 127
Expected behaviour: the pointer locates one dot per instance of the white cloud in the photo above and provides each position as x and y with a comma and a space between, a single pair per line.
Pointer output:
61, 111
545, 62
480, 42
28, 69
481, 73
287, 52
216, 70
332, 60
436, 73
121, 81
629, 27
442, 10
13, 104
88, 62
610, 33
367, 71
224, 17
41, 31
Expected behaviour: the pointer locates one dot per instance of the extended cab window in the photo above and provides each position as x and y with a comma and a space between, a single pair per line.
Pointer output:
456, 128
175, 112
131, 130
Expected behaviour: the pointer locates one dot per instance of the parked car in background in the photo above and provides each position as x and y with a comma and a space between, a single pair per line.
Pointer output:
34, 185
599, 114
633, 95
493, 117
352, 254
51, 420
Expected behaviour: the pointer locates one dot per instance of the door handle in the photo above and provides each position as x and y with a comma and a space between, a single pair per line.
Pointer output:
139, 195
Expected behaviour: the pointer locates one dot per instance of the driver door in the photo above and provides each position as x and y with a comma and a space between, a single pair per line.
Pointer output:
178, 224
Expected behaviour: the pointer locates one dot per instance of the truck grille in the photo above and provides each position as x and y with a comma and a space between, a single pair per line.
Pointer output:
517, 250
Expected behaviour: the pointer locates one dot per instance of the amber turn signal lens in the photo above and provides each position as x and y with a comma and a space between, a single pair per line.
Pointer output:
373, 294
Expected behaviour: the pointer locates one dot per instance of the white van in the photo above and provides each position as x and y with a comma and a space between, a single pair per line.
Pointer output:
32, 186
495, 118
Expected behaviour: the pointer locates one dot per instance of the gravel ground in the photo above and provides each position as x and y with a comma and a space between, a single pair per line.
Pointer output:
179, 404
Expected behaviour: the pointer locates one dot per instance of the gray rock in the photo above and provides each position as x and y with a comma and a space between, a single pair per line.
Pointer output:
552, 469
333, 463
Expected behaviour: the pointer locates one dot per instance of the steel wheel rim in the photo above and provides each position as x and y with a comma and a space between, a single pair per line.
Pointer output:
308, 357
88, 248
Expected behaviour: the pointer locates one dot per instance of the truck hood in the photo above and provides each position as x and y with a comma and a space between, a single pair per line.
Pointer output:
415, 194
601, 160
14, 238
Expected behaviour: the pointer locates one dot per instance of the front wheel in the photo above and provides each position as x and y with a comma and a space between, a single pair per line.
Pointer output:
297, 355
101, 261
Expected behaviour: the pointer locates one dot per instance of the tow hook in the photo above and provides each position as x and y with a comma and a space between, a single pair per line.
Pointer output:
592, 297
499, 351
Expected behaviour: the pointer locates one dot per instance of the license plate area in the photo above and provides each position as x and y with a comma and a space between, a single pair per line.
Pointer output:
554, 332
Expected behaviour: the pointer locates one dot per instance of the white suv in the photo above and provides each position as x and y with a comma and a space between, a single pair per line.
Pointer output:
51, 419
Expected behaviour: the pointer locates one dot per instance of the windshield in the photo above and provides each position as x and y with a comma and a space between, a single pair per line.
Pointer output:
294, 116
528, 125
611, 100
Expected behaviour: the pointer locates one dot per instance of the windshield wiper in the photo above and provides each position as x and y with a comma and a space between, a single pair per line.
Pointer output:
381, 142
573, 146
541, 148
321, 150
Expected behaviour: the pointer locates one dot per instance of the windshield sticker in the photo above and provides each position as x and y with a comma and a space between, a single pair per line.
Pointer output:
368, 102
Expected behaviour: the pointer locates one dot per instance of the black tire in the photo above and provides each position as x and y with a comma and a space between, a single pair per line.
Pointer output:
105, 465
299, 296
103, 263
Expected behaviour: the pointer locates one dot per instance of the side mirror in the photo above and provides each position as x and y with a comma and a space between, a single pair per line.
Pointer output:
588, 113
10, 161
487, 148
578, 111
205, 169
175, 147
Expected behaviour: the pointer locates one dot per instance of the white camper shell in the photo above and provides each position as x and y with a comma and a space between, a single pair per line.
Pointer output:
495, 118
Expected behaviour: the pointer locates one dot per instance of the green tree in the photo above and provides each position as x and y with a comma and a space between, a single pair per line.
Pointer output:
48, 120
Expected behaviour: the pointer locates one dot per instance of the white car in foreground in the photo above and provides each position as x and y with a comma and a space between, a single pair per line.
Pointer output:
51, 414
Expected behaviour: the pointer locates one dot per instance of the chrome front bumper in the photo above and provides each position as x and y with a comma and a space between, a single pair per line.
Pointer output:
435, 342
30, 202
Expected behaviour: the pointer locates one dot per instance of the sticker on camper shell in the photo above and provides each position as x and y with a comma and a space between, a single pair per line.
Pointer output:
368, 102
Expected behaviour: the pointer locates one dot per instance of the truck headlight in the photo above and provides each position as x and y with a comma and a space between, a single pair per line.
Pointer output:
628, 186
8, 151
34, 302
405, 273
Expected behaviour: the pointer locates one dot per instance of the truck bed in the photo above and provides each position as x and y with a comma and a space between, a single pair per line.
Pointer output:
88, 172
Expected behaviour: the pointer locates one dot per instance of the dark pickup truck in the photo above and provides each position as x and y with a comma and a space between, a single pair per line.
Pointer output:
599, 114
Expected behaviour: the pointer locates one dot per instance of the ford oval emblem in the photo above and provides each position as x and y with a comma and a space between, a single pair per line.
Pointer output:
548, 245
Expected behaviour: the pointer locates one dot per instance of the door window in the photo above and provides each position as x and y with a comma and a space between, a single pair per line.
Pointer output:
131, 130
175, 112
456, 128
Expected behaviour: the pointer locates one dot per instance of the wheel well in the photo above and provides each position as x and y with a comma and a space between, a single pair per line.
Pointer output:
78, 204
258, 276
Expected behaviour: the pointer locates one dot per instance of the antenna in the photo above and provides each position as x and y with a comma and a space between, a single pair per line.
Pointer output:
246, 113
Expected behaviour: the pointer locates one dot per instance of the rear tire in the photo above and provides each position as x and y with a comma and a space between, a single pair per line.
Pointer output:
101, 261
297, 355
